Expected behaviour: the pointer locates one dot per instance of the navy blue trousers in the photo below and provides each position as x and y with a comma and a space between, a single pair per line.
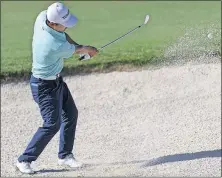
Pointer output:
58, 112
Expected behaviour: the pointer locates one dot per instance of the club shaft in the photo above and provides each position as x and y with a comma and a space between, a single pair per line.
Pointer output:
116, 39
120, 37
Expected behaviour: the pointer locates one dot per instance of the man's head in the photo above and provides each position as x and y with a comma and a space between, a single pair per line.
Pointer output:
59, 18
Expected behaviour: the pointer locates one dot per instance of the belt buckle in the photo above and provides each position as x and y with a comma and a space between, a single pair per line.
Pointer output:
58, 75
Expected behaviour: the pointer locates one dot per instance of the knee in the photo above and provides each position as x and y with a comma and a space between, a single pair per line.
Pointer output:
70, 116
76, 113
73, 114
52, 127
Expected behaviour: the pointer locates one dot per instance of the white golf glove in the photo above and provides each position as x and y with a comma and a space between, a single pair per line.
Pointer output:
86, 56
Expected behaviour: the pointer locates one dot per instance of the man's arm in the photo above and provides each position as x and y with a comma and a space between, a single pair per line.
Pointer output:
80, 49
70, 40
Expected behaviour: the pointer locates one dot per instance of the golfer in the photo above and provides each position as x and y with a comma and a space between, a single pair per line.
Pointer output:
50, 46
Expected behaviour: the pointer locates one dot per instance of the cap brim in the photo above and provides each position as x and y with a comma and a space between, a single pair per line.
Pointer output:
72, 20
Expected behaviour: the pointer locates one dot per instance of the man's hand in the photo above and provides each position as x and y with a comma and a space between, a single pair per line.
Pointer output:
92, 51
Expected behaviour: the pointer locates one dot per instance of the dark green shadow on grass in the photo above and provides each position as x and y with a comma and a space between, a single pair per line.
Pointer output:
81, 69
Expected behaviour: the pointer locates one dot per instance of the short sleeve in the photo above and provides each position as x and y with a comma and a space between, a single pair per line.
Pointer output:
66, 50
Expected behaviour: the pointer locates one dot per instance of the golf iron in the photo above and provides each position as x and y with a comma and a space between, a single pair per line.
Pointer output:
86, 56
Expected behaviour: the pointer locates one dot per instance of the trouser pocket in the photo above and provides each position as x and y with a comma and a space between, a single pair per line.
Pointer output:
35, 91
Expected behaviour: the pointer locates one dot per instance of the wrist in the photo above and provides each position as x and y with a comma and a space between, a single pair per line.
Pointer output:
81, 49
78, 47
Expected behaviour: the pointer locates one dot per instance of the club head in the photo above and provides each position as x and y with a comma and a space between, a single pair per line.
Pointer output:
146, 19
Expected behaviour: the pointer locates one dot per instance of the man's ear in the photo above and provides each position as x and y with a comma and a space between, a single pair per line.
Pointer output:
53, 24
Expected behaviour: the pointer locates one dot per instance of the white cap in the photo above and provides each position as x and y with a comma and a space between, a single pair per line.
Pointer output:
59, 13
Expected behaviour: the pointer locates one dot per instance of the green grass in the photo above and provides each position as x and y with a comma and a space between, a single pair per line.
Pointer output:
100, 22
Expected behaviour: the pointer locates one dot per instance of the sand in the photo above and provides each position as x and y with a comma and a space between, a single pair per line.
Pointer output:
162, 122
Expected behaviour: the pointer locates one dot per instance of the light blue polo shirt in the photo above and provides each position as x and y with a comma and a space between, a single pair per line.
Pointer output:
49, 49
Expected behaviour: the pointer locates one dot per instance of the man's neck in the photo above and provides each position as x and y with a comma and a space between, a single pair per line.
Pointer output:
48, 24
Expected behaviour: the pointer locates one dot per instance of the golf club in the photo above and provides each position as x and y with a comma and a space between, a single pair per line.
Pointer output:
86, 56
